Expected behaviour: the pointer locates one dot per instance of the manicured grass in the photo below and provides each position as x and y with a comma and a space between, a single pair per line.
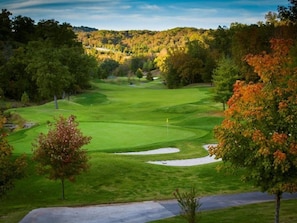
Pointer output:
125, 118
253, 213
124, 136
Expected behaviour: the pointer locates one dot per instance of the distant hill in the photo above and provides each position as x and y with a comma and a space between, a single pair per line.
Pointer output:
140, 42
83, 29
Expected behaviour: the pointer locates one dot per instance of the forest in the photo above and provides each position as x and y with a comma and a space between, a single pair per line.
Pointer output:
46, 60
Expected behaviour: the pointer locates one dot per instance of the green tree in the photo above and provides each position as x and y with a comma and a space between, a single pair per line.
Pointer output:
14, 77
170, 65
139, 73
82, 68
5, 25
56, 34
23, 29
149, 76
11, 169
200, 62
221, 42
259, 131
136, 63
224, 77
51, 75
108, 67
25, 98
59, 154
288, 14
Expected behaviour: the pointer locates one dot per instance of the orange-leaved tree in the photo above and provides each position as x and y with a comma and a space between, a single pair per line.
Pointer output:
59, 153
259, 132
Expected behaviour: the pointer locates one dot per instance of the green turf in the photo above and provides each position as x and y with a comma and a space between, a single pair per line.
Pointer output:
119, 118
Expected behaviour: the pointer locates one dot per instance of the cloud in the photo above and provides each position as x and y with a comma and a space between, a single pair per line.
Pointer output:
150, 7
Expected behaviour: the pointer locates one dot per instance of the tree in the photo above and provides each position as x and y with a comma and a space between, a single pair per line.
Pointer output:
271, 18
10, 169
259, 131
108, 67
139, 73
59, 154
48, 70
5, 25
289, 13
82, 68
200, 62
25, 98
23, 29
136, 62
175, 58
224, 77
149, 76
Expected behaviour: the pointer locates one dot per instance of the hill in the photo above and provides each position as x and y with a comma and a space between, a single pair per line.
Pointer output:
140, 41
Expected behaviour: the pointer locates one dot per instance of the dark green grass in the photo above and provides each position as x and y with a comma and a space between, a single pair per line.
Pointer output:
124, 118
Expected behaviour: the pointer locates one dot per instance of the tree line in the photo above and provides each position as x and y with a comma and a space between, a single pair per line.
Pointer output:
41, 61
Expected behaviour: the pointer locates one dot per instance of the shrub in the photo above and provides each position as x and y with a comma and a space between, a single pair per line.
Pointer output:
189, 204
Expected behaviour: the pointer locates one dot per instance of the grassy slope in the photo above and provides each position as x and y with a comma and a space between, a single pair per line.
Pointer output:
136, 115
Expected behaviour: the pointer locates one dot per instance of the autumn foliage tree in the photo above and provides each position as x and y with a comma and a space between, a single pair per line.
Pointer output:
10, 169
259, 132
59, 154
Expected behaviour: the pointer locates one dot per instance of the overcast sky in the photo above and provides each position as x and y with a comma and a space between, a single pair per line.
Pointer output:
145, 14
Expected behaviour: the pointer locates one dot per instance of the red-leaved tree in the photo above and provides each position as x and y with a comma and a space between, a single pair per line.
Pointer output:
259, 132
59, 153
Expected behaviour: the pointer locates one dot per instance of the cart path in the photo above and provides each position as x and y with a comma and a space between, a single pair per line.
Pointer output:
140, 212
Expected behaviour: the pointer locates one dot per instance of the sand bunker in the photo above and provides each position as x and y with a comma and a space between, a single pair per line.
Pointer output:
189, 162
182, 162
153, 152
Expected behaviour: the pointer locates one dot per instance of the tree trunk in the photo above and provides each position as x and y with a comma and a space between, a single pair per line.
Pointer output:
63, 190
277, 206
56, 102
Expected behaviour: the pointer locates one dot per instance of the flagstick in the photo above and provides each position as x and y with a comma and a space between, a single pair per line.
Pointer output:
167, 126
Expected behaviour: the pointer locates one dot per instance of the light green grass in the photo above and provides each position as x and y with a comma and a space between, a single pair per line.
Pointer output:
125, 118
125, 137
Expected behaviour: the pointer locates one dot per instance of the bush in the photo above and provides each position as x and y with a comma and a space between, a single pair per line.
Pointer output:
25, 98
189, 204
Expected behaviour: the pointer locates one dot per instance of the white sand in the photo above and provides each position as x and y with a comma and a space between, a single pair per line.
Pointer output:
153, 152
188, 162
183, 162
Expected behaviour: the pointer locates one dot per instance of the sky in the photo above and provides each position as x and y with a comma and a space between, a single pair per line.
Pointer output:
153, 15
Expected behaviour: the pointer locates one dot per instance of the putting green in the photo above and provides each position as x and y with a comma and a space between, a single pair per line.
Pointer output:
111, 136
